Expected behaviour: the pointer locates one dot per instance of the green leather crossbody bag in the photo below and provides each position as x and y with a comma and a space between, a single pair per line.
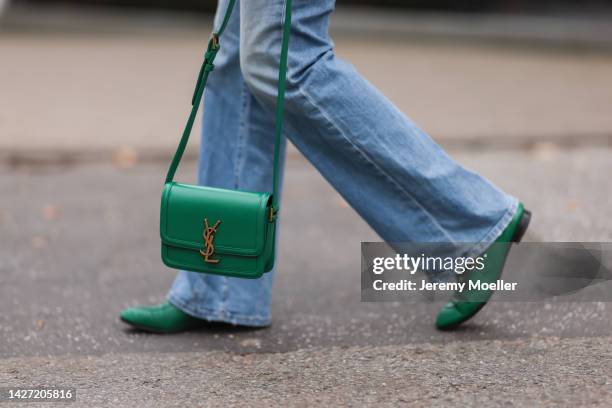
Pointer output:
218, 231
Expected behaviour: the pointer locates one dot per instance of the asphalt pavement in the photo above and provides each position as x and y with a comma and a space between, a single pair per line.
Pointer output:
84, 244
545, 372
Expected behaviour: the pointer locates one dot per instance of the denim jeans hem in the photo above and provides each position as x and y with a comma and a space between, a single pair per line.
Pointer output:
494, 232
220, 315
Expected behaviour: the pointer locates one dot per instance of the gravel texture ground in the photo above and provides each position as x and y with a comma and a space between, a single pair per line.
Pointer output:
548, 372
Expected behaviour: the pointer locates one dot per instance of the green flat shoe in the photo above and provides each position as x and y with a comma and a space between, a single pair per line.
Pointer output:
163, 318
464, 305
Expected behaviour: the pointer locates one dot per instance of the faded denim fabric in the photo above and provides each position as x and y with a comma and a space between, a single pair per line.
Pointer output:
392, 173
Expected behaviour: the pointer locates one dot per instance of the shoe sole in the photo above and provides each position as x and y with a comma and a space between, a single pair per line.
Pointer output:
143, 328
521, 229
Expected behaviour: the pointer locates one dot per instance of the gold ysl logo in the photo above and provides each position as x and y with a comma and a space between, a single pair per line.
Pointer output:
209, 236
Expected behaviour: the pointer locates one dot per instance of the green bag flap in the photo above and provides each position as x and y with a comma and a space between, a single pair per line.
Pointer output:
243, 218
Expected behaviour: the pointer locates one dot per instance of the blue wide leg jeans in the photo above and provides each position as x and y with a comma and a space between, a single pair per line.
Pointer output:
354, 136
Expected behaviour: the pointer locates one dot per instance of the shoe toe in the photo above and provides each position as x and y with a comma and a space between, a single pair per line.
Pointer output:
449, 317
130, 315
163, 318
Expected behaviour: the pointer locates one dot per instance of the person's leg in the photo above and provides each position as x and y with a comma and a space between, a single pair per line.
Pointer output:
396, 177
392, 173
236, 153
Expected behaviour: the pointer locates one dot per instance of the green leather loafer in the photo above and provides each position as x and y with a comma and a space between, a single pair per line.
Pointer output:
464, 305
163, 318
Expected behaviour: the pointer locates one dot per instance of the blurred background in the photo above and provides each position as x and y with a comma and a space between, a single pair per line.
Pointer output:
95, 78
93, 99
456, 5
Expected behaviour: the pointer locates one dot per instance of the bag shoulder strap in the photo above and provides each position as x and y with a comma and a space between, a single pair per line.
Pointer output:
207, 67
